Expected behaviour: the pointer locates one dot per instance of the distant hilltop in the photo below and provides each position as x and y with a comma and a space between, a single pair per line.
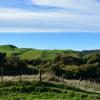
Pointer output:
7, 47
29, 53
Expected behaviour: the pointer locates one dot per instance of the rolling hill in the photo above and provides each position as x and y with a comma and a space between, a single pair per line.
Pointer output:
30, 54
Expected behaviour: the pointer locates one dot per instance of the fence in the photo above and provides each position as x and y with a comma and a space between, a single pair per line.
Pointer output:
48, 76
22, 75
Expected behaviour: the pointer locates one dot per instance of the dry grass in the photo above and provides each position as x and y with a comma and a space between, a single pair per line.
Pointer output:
84, 85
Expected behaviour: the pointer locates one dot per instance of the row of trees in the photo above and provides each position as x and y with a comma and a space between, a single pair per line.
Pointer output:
13, 65
84, 67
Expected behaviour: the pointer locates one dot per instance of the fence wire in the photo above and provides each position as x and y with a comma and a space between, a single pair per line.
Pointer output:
49, 76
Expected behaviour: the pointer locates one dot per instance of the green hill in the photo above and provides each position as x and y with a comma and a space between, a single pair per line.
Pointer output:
7, 47
30, 54
12, 50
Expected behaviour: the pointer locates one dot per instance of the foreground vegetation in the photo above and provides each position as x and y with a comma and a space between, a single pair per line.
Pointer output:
42, 91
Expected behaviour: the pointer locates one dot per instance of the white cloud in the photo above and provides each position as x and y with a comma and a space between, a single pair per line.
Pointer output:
90, 6
44, 30
46, 21
29, 30
77, 15
13, 13
57, 3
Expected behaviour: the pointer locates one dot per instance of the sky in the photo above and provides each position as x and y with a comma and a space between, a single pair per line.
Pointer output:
50, 24
49, 15
73, 41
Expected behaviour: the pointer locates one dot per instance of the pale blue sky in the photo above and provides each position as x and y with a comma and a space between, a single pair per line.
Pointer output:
49, 15
75, 41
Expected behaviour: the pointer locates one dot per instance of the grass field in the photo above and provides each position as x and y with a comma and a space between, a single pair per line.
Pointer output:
42, 91
30, 54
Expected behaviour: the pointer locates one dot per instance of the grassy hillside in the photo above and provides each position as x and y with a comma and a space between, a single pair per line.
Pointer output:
13, 50
7, 47
30, 54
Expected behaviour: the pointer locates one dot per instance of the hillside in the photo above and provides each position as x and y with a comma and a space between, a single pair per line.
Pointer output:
30, 54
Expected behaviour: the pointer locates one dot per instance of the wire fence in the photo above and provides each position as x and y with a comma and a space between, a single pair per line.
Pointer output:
48, 77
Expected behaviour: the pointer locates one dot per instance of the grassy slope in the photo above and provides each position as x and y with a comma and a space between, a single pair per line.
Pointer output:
42, 91
30, 54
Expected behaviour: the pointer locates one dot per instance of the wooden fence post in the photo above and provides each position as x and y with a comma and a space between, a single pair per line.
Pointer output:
20, 76
79, 83
94, 89
40, 78
62, 77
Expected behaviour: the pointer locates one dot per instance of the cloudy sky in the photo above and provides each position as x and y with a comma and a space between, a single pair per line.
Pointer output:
49, 16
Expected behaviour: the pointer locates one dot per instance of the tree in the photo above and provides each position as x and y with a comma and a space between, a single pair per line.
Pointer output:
94, 58
15, 64
2, 63
2, 59
89, 71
